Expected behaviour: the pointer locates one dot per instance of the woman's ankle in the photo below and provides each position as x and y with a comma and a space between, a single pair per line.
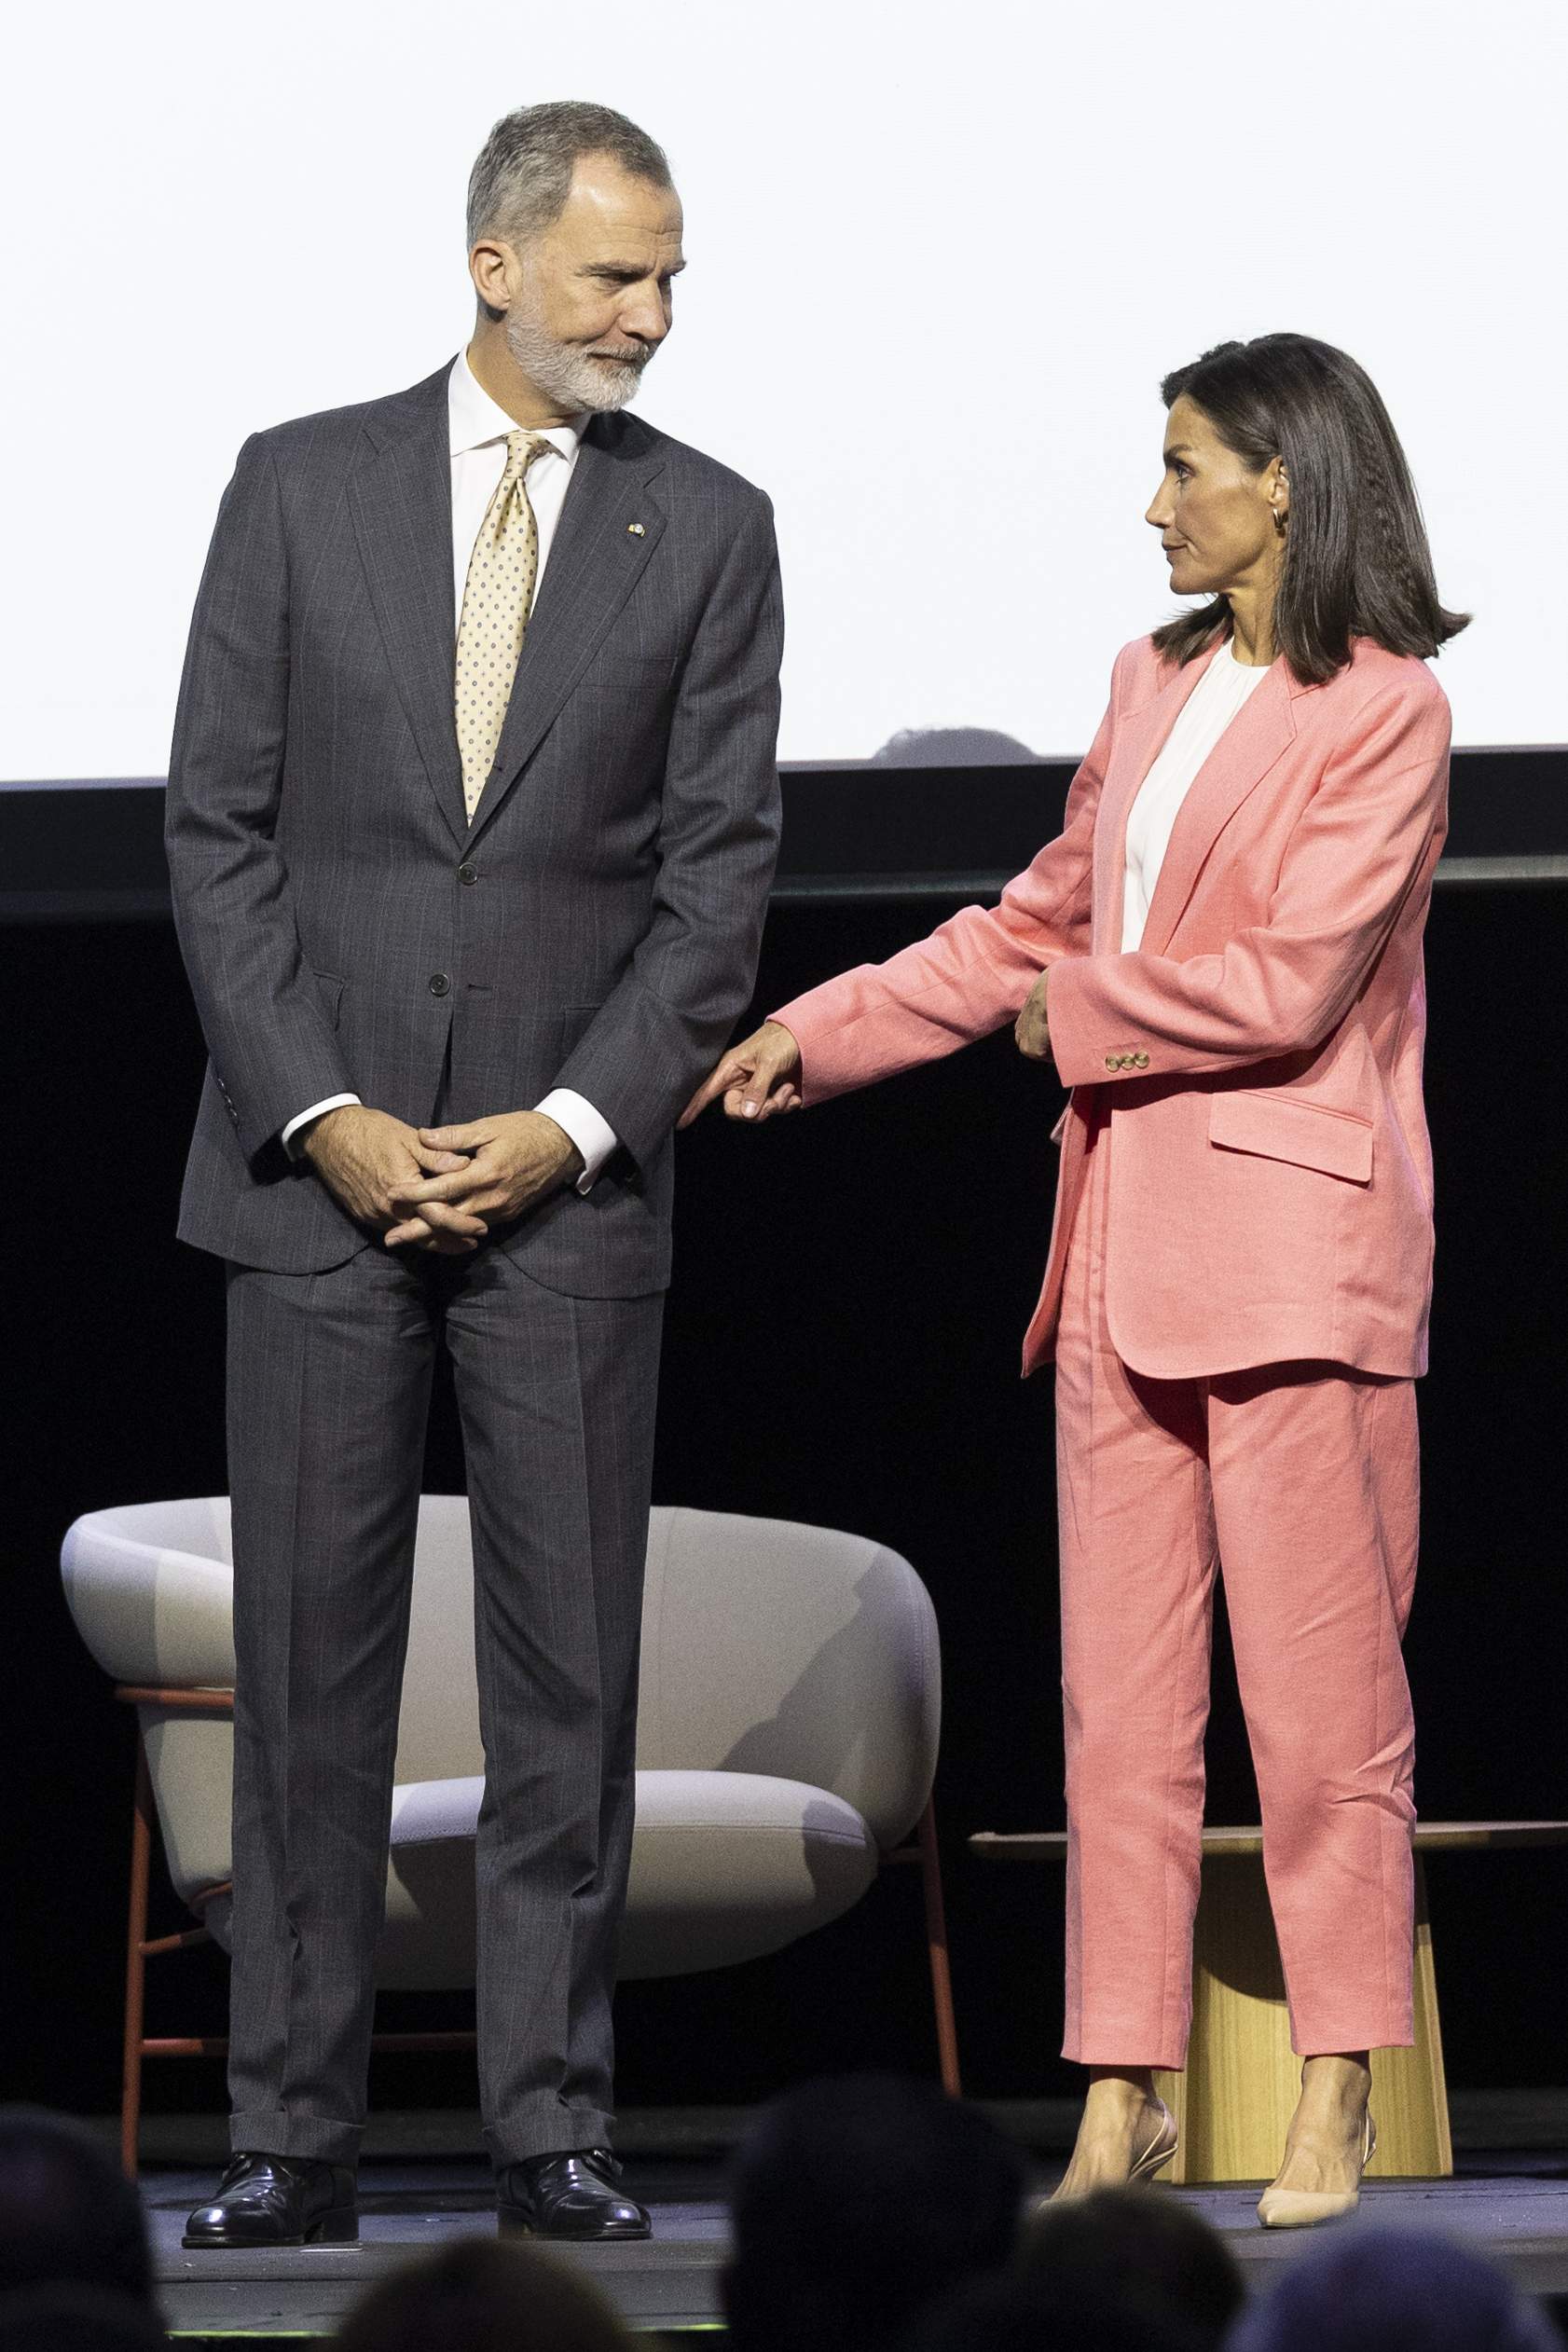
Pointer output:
1125, 2085
1342, 2077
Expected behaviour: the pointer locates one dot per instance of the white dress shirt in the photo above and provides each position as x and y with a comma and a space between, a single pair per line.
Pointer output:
1202, 719
478, 428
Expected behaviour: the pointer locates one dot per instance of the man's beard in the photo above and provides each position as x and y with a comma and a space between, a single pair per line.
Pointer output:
566, 374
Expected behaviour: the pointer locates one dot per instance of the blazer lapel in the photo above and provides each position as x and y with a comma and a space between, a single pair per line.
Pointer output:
402, 504
596, 560
1234, 768
1139, 740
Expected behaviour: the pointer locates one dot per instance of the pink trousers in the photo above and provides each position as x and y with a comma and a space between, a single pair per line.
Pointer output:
1299, 1481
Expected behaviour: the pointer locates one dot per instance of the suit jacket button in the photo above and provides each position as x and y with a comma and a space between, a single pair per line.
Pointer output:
469, 874
1113, 1061
439, 984
1140, 1061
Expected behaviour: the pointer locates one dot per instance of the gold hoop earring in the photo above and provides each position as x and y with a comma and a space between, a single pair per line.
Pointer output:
1279, 522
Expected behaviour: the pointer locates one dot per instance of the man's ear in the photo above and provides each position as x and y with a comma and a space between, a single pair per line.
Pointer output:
492, 264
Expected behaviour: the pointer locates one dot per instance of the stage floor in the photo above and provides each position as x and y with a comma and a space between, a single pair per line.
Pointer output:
1511, 2204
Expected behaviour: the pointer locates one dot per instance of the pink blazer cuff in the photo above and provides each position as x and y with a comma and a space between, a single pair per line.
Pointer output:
1081, 1044
813, 1032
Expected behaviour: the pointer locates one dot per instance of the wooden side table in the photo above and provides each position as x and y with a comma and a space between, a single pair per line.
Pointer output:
1236, 2096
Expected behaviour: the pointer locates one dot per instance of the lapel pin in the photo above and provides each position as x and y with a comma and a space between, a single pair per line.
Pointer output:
637, 531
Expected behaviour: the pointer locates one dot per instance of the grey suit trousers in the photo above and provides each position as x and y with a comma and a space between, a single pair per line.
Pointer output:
329, 1378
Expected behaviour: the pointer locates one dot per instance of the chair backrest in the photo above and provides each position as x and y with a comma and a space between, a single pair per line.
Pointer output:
798, 1651
151, 1588
766, 1647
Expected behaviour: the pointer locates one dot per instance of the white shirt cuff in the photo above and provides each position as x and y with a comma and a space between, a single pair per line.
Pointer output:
332, 1102
594, 1136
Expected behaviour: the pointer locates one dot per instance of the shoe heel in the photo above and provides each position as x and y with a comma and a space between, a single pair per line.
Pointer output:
337, 2226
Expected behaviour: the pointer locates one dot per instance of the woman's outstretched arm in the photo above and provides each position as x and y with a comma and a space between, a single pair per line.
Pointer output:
970, 976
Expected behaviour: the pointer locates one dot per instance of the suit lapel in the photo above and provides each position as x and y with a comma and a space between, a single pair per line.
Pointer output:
596, 560
1234, 768
401, 498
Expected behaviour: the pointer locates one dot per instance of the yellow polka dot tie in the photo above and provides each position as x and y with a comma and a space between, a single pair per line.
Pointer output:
497, 599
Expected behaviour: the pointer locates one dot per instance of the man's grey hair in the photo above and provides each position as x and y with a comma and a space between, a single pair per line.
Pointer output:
523, 176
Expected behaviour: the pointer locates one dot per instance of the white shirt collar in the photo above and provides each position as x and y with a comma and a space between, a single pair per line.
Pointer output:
474, 417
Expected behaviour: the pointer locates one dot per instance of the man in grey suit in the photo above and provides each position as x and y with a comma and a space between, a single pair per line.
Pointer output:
473, 811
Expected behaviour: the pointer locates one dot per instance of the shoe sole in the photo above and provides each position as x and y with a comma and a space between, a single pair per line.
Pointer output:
338, 2227
512, 2223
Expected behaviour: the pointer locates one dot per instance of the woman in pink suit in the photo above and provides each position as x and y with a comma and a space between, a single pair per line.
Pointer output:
1222, 954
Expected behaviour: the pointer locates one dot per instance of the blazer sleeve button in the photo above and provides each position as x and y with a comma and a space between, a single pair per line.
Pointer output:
1113, 1061
1140, 1061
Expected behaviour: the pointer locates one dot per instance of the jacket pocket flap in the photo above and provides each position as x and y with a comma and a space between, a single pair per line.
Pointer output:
1310, 1137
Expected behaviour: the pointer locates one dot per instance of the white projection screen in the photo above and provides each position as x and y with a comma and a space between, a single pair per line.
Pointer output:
940, 258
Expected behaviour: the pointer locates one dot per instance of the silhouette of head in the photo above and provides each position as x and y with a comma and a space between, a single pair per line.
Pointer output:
68, 2215
1008, 2315
484, 2294
858, 2202
69, 2319
1126, 2249
1394, 2290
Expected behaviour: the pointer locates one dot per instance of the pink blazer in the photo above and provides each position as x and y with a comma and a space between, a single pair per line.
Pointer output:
1271, 1185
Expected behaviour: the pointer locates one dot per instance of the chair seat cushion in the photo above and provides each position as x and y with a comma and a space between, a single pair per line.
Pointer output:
726, 1866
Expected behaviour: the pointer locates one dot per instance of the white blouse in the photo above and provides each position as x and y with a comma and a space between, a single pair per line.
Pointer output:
1202, 719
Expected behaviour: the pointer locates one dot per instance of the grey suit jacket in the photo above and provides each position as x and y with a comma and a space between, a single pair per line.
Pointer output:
343, 925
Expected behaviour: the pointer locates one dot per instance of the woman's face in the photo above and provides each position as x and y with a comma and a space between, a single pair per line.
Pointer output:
1216, 517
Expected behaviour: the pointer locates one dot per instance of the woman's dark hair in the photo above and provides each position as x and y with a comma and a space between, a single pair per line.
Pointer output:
1356, 562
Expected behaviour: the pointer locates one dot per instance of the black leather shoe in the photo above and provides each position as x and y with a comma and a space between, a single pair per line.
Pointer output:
569, 2195
278, 2201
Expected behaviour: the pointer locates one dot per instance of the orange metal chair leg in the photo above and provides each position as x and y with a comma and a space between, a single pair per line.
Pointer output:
136, 1962
936, 1946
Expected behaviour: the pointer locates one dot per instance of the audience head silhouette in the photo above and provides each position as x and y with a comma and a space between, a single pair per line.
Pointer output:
857, 2203
1123, 2249
1394, 2290
484, 2294
1007, 2314
69, 2319
68, 2215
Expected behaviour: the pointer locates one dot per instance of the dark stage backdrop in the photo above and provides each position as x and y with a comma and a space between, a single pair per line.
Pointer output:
842, 1345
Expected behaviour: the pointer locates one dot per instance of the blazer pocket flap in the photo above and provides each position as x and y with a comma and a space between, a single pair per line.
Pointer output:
1308, 1136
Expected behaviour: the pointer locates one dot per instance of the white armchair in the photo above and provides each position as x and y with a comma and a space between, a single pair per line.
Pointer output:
787, 1742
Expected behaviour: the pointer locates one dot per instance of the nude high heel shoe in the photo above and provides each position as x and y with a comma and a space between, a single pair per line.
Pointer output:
1304, 2209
